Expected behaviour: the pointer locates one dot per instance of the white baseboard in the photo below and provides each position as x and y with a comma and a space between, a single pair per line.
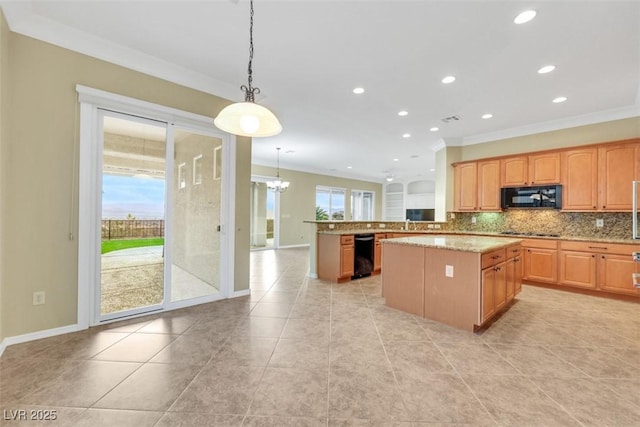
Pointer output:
304, 245
19, 339
242, 293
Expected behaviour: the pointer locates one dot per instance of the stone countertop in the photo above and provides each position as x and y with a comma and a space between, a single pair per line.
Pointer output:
479, 233
479, 244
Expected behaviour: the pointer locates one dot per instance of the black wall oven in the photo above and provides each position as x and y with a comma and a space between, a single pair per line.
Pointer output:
549, 196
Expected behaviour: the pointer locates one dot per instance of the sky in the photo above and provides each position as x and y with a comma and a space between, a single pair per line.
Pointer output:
141, 197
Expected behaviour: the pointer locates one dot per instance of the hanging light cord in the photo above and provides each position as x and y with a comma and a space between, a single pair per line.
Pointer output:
250, 91
278, 171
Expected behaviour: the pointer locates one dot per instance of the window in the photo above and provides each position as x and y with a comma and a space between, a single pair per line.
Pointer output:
362, 205
330, 203
197, 170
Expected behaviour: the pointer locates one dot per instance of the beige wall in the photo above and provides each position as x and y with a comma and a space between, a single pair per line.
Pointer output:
4, 53
40, 202
582, 135
298, 203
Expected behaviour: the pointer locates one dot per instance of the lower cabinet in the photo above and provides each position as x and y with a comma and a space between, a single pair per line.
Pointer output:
377, 252
347, 255
540, 260
335, 257
614, 273
495, 292
578, 269
513, 267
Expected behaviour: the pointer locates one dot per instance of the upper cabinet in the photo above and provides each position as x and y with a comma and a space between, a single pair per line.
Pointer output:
618, 167
580, 179
465, 187
489, 185
535, 169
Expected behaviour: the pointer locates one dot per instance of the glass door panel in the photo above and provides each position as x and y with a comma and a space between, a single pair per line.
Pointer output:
263, 205
132, 204
196, 202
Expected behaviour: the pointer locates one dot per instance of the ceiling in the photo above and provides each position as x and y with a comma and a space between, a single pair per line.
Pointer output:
311, 54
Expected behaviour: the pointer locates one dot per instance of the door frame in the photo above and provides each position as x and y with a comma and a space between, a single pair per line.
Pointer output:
91, 102
276, 212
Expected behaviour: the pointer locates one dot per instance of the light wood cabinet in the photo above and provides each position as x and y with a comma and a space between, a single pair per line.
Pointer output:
335, 257
465, 187
489, 185
513, 269
540, 260
615, 274
377, 252
534, 169
618, 166
494, 283
578, 269
580, 179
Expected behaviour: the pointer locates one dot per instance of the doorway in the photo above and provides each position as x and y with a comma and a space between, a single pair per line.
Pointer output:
264, 207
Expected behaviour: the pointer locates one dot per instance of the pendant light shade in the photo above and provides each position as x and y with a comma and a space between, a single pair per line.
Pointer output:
248, 119
278, 184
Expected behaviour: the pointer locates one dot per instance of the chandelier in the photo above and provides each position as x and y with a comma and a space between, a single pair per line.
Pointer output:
278, 185
248, 118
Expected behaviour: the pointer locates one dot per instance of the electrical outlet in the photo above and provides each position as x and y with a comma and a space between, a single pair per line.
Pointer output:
429, 225
473, 220
332, 226
453, 215
599, 222
38, 298
436, 225
448, 270
383, 225
368, 225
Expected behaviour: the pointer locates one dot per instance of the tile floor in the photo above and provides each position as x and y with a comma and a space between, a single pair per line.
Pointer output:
302, 352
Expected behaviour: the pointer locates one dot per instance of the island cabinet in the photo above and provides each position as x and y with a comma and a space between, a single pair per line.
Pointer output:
377, 251
540, 260
534, 169
514, 271
450, 279
601, 266
335, 257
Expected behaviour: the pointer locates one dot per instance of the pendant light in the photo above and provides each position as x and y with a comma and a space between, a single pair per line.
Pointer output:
278, 185
248, 118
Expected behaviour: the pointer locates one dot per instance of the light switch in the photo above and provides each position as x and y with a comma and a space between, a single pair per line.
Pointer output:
332, 226
448, 270
473, 220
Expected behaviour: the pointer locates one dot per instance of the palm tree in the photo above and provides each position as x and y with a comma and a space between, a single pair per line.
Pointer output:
321, 214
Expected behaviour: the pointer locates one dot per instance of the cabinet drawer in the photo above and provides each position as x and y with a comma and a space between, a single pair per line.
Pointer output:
513, 251
493, 258
346, 240
599, 247
540, 243
379, 236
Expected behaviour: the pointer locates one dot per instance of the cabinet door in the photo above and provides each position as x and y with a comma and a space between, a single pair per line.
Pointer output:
488, 293
618, 167
514, 171
489, 185
500, 285
510, 272
517, 280
614, 274
377, 256
347, 254
580, 180
544, 169
578, 269
465, 187
541, 265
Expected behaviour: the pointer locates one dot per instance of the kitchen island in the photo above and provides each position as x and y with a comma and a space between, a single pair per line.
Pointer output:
462, 281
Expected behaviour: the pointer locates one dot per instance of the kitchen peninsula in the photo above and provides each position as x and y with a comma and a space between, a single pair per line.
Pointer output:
462, 281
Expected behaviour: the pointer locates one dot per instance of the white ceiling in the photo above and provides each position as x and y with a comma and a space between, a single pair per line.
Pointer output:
310, 54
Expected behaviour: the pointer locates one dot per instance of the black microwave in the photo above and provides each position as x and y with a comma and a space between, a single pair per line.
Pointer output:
539, 197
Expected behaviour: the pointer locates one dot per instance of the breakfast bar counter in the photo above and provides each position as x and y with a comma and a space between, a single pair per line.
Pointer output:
462, 281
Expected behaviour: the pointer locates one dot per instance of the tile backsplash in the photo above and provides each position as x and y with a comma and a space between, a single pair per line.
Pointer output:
617, 225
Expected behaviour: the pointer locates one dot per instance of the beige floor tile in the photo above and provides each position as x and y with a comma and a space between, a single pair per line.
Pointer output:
588, 402
85, 345
82, 386
536, 361
179, 419
401, 330
246, 351
262, 421
190, 350
110, 418
282, 297
358, 352
136, 347
33, 415
597, 362
220, 389
254, 326
269, 309
440, 398
308, 328
301, 354
367, 423
288, 392
17, 381
416, 357
516, 401
472, 358
153, 387
364, 393
170, 325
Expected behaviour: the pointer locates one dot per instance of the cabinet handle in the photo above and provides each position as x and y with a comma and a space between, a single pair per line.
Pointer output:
603, 207
497, 269
595, 207
593, 256
496, 257
598, 247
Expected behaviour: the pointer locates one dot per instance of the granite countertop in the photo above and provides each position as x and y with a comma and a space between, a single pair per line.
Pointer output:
478, 233
456, 243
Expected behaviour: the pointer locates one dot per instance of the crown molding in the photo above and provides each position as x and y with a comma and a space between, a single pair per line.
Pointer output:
552, 125
22, 19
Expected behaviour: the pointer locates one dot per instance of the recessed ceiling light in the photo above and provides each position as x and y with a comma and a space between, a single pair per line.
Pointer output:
396, 160
487, 116
349, 167
414, 156
403, 113
406, 135
546, 69
448, 79
525, 16
560, 99
434, 129
289, 151
358, 90
432, 170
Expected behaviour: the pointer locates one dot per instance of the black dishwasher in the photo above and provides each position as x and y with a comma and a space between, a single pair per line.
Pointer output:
363, 259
